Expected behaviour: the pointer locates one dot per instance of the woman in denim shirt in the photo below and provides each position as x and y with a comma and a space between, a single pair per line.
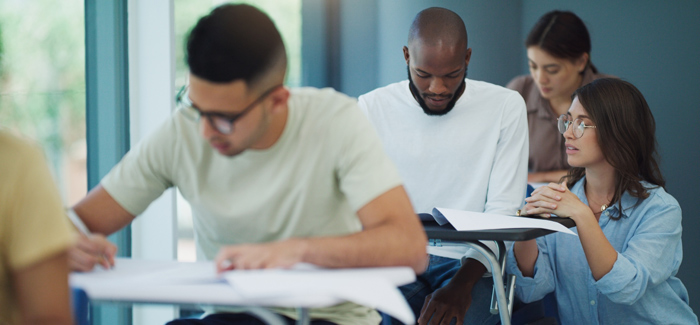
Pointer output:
621, 268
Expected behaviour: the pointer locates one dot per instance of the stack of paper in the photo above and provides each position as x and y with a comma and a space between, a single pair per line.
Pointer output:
197, 283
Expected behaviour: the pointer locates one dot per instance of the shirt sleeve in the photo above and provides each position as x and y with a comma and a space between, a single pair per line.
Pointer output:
364, 170
362, 104
508, 180
530, 289
650, 257
144, 173
37, 226
517, 84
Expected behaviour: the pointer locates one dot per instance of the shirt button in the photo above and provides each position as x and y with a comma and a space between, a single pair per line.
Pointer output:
592, 302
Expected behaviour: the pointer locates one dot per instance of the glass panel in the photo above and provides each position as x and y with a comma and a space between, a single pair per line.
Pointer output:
287, 16
42, 83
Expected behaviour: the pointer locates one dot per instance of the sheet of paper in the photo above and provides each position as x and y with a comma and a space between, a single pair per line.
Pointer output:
367, 287
305, 285
157, 281
468, 220
128, 271
397, 276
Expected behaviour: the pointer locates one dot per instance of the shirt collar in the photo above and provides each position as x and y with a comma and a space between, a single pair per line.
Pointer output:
628, 201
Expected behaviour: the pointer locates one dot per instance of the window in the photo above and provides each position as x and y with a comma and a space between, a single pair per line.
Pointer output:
42, 83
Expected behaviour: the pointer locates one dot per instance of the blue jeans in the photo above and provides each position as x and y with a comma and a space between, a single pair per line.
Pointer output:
235, 319
439, 272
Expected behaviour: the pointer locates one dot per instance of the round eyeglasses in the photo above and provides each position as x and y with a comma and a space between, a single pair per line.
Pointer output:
221, 122
564, 121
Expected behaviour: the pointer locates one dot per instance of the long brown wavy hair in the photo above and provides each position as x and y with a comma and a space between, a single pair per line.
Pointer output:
625, 129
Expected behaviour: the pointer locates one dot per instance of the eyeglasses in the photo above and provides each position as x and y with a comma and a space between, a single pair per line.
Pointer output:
564, 121
222, 123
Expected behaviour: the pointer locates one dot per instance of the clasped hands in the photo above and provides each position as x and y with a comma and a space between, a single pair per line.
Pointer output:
556, 199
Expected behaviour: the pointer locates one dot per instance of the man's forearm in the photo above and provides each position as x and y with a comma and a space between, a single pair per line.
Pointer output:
386, 245
101, 213
469, 273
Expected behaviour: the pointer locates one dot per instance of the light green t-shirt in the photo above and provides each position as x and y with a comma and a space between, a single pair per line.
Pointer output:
33, 225
327, 164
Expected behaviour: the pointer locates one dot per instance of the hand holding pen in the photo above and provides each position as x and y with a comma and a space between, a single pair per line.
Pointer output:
90, 249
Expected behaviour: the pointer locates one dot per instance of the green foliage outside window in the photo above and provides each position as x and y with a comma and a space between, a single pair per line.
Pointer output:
285, 13
42, 74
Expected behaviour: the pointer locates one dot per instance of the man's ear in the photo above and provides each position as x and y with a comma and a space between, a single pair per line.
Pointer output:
279, 98
405, 54
468, 57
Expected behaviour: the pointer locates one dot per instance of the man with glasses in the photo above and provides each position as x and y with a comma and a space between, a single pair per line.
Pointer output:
458, 143
274, 176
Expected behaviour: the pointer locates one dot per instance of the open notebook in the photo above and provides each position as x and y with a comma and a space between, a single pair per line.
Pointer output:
467, 220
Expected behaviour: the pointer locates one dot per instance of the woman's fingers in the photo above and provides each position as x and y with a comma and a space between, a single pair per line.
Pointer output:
546, 192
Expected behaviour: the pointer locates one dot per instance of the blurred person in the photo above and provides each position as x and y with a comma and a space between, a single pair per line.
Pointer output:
34, 238
559, 57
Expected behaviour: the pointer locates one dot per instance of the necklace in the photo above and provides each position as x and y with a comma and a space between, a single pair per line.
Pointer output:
602, 208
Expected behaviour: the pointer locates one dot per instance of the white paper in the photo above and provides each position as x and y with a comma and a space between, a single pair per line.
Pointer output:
468, 220
371, 287
305, 285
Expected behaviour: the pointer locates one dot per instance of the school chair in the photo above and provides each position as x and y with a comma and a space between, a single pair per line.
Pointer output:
81, 306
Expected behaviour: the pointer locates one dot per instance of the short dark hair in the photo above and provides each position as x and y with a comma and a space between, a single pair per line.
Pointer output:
234, 41
562, 34
625, 129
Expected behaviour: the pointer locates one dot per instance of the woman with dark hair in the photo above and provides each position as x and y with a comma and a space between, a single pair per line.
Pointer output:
621, 267
559, 56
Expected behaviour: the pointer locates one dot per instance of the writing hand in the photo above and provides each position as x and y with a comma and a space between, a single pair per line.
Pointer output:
89, 251
281, 254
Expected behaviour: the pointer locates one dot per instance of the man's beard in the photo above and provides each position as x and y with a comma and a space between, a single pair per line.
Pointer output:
421, 101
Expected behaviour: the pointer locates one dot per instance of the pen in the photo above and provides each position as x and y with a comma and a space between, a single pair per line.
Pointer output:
78, 223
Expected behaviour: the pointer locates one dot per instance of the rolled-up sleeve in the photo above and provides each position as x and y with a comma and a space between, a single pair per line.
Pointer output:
530, 289
650, 257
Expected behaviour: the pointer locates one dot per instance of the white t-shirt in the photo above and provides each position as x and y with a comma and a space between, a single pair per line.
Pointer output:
473, 158
327, 164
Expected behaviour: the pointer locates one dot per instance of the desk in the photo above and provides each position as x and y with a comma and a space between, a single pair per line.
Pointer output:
503, 300
171, 282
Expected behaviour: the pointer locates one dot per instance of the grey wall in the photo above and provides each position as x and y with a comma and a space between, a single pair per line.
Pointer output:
486, 21
650, 43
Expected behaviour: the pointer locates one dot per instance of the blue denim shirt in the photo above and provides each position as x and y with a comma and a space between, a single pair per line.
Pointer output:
642, 286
